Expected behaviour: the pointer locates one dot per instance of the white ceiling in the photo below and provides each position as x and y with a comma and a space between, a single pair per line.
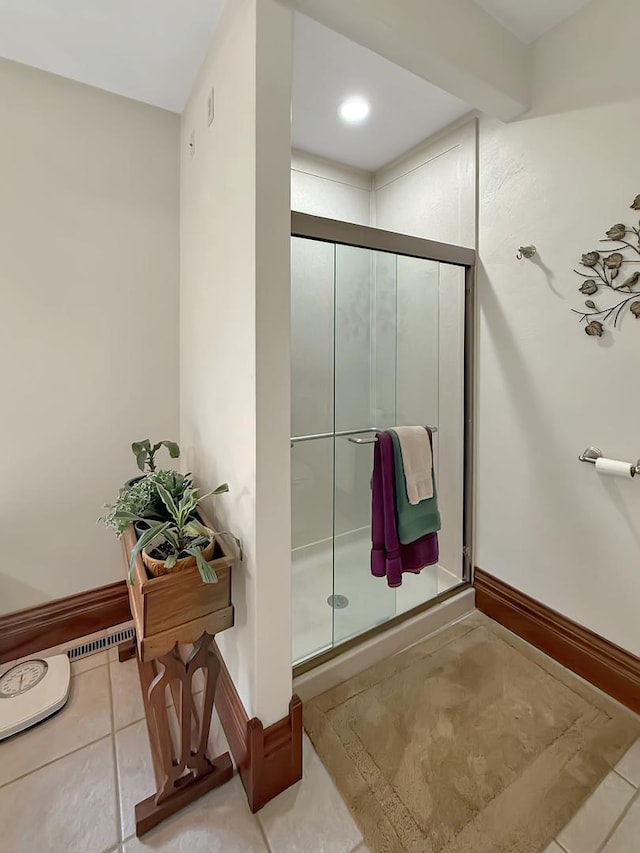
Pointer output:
405, 109
529, 19
149, 50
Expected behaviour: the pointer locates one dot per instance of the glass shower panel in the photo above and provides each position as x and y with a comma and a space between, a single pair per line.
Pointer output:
451, 436
312, 342
377, 341
418, 382
358, 394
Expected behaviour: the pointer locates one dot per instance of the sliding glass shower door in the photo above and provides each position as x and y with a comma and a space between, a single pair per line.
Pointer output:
367, 354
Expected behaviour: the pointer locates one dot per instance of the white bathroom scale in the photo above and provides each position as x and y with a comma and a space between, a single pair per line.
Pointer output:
31, 691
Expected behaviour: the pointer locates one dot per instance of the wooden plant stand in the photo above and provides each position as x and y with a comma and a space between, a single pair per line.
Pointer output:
172, 612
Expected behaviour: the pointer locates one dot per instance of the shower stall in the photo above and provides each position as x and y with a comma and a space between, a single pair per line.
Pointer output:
382, 327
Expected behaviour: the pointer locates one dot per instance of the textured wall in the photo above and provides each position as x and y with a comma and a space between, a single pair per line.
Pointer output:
548, 524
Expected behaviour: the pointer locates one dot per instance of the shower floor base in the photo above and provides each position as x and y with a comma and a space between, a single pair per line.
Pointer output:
319, 573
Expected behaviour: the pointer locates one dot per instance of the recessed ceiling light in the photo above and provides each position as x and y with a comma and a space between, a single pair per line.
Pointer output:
354, 110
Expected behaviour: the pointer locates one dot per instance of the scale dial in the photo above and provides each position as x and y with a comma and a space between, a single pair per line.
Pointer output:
22, 677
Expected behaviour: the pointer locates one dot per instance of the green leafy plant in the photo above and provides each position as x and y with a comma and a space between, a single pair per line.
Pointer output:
145, 452
181, 535
143, 500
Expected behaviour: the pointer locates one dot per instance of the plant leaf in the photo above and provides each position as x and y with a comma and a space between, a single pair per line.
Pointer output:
147, 537
137, 446
141, 459
171, 537
172, 447
188, 505
207, 572
125, 515
235, 539
171, 560
196, 528
224, 487
590, 303
167, 500
240, 548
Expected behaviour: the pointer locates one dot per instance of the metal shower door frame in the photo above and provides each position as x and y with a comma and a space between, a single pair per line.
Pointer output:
334, 231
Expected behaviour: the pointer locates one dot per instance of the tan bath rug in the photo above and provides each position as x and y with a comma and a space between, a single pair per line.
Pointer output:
470, 742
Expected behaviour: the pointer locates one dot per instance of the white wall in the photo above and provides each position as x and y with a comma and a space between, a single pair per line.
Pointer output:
323, 188
548, 524
430, 192
89, 345
235, 367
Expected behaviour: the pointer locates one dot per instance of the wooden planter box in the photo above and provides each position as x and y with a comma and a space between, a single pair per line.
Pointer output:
178, 607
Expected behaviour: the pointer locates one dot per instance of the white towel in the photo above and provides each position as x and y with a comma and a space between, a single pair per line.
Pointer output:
417, 461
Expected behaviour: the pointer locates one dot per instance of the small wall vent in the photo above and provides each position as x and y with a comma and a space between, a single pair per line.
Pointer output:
101, 644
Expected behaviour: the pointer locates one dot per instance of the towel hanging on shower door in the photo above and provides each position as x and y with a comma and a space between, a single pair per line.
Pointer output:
417, 462
413, 520
390, 557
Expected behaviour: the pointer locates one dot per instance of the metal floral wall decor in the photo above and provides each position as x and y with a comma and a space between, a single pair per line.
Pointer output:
607, 279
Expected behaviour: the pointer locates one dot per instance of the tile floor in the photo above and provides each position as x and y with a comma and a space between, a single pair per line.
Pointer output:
609, 821
70, 786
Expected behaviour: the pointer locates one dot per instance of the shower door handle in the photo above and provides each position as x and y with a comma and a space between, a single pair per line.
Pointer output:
371, 439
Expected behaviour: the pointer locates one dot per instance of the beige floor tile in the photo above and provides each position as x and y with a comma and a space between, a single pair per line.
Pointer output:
66, 807
125, 693
219, 822
626, 838
135, 772
85, 718
629, 765
135, 768
591, 825
310, 815
90, 662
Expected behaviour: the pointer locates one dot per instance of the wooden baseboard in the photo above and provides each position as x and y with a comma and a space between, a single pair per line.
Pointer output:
56, 622
269, 760
589, 655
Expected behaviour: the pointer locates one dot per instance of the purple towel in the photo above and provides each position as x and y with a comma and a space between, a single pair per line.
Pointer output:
389, 558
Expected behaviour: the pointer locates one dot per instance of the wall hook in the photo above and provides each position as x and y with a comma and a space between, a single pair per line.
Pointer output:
526, 252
